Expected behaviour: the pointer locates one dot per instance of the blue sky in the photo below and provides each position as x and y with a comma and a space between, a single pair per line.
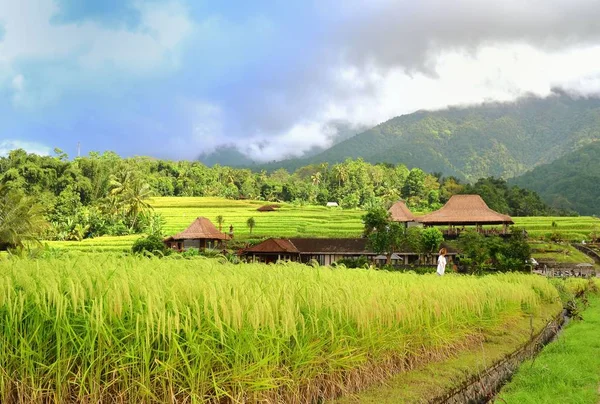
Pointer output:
175, 79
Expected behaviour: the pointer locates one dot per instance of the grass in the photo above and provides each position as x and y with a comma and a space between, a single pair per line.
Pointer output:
564, 253
295, 221
436, 378
102, 328
567, 371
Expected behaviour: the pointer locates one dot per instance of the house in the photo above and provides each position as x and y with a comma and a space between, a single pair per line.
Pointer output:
467, 210
268, 208
400, 213
325, 251
200, 234
332, 204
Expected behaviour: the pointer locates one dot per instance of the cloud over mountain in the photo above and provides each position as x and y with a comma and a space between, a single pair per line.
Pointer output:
176, 79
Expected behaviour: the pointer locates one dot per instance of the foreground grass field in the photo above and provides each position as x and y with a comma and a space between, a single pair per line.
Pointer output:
297, 221
98, 328
567, 371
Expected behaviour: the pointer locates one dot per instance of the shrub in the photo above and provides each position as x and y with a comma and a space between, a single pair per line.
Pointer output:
152, 244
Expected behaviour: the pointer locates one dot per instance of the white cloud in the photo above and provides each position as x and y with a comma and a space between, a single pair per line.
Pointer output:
370, 95
88, 47
31, 147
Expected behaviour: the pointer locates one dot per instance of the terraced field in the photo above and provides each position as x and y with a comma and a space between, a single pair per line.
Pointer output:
289, 220
297, 221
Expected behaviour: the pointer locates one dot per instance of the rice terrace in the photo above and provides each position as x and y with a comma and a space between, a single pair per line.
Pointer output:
299, 202
88, 322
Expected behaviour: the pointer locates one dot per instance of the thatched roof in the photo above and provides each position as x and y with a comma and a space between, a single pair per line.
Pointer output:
201, 228
465, 210
400, 213
268, 208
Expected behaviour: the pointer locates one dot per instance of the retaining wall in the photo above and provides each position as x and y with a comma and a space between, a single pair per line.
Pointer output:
483, 387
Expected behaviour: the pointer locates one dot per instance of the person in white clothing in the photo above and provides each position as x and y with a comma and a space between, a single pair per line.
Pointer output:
441, 267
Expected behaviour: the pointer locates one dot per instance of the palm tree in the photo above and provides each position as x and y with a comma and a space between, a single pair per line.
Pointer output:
131, 192
220, 221
21, 219
251, 223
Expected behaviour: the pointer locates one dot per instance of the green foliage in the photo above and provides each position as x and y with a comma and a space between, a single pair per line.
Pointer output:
152, 244
431, 238
569, 182
481, 254
360, 262
251, 223
21, 219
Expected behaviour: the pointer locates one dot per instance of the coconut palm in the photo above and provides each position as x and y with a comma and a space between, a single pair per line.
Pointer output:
21, 219
131, 192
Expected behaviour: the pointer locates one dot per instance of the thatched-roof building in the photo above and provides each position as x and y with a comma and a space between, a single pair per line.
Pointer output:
200, 234
466, 210
325, 251
268, 208
400, 213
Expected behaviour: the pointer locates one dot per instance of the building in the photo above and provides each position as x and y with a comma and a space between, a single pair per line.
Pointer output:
200, 234
325, 251
399, 212
467, 210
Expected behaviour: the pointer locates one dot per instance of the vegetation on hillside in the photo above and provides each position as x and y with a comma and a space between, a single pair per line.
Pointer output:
493, 139
570, 182
107, 195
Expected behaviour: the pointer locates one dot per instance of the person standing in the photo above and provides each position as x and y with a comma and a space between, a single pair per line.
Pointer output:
441, 266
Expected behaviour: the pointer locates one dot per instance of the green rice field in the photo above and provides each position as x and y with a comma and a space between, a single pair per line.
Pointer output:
297, 221
104, 328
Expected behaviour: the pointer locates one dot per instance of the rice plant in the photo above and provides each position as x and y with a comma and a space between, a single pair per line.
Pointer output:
103, 328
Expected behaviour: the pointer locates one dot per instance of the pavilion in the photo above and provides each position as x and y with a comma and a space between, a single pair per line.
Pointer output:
399, 212
201, 234
467, 210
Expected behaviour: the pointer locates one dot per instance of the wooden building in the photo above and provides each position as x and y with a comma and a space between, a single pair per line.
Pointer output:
325, 251
467, 210
200, 234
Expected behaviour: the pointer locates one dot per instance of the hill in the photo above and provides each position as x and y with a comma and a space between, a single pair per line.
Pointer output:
492, 139
571, 181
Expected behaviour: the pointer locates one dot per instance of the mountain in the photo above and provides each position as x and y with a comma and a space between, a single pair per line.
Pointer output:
492, 139
571, 181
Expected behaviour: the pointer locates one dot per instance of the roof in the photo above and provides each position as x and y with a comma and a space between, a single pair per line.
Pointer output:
277, 245
465, 209
332, 204
268, 208
312, 245
201, 228
400, 212
356, 246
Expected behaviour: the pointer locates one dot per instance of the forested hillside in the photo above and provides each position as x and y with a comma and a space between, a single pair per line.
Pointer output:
572, 181
106, 194
495, 139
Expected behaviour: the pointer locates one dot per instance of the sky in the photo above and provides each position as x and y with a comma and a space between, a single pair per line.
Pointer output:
176, 79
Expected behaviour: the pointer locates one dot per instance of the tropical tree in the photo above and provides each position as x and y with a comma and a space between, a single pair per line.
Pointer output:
250, 223
220, 221
385, 236
132, 193
21, 219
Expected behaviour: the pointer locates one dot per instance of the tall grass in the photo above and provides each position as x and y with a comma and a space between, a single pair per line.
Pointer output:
105, 329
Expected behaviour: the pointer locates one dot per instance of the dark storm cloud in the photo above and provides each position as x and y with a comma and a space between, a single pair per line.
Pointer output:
409, 33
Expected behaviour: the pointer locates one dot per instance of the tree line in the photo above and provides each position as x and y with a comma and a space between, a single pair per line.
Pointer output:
105, 194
